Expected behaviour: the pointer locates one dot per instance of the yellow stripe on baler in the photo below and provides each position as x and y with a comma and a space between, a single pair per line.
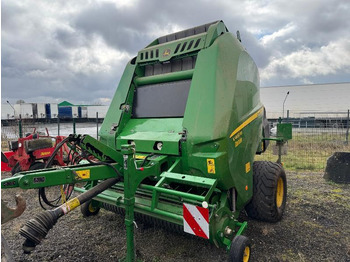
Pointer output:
247, 122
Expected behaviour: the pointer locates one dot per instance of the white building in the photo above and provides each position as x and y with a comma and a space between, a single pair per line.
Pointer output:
7, 112
307, 100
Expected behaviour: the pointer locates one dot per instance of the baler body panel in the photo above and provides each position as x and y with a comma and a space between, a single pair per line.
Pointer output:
113, 117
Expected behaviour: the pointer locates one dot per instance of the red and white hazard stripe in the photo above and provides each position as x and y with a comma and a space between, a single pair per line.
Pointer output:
196, 220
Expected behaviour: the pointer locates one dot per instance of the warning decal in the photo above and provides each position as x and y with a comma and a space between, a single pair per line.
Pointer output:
211, 165
83, 174
70, 205
196, 220
247, 167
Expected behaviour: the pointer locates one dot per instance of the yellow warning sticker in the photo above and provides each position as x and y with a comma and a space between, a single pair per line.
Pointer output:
140, 157
73, 203
247, 167
83, 174
211, 165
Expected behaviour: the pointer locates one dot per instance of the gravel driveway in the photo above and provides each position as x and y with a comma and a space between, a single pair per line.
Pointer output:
316, 227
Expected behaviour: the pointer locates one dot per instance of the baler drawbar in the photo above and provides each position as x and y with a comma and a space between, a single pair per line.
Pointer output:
177, 146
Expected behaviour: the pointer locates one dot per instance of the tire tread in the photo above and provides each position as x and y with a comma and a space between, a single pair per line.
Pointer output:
263, 205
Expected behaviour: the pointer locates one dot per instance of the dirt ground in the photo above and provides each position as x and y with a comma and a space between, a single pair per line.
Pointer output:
316, 227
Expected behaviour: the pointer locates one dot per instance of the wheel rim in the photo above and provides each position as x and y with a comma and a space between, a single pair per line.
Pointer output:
246, 254
279, 192
91, 208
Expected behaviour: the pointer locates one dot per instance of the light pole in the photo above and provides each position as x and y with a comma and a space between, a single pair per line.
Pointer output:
283, 104
12, 107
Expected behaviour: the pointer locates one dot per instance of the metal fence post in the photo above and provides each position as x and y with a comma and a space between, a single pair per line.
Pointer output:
73, 125
97, 125
347, 128
58, 125
20, 126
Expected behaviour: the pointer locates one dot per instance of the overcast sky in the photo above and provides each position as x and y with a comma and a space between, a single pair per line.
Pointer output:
77, 50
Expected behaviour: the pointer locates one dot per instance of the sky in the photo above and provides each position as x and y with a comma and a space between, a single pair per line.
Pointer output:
77, 50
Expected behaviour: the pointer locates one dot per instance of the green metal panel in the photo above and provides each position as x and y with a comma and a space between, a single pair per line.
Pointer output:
113, 117
221, 98
166, 51
284, 131
146, 132
53, 177
169, 77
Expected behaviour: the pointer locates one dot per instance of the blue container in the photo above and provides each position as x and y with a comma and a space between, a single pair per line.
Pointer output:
65, 112
48, 110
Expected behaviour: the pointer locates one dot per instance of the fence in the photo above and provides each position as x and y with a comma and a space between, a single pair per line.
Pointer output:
12, 130
316, 136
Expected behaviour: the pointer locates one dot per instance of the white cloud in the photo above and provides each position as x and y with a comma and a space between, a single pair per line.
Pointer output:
96, 58
283, 32
307, 62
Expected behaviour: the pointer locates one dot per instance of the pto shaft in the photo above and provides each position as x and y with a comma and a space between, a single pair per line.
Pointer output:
37, 228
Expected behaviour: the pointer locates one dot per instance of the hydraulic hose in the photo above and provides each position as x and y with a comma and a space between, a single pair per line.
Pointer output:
59, 145
41, 192
36, 229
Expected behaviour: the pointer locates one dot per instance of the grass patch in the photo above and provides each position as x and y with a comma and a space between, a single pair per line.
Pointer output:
308, 151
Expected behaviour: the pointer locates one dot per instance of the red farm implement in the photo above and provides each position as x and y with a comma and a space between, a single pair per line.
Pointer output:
33, 151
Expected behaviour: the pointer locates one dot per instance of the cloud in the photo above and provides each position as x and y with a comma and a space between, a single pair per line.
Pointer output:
331, 59
283, 32
77, 50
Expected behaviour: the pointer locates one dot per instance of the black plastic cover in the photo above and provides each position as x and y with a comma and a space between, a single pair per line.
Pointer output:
161, 100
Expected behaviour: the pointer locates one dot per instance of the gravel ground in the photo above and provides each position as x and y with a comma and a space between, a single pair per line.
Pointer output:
315, 228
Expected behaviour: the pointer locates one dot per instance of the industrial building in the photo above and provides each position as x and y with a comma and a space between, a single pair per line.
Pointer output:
320, 100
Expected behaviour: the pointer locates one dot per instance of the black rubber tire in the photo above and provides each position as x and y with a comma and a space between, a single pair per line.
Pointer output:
263, 205
238, 249
87, 209
16, 169
37, 165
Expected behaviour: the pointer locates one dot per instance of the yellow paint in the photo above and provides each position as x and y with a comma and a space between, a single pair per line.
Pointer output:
247, 167
91, 208
247, 122
45, 153
166, 52
279, 193
246, 254
238, 135
238, 142
83, 174
140, 157
73, 203
211, 165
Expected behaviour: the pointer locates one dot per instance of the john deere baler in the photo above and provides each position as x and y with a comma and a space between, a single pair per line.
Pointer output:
177, 146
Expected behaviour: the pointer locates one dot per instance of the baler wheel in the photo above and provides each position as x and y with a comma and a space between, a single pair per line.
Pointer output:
87, 209
16, 169
269, 192
240, 249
